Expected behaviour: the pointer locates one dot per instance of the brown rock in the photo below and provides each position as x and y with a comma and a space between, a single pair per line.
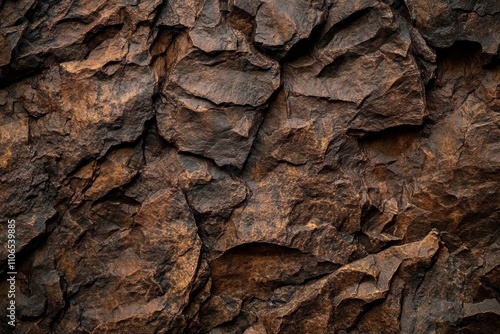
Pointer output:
281, 26
444, 22
251, 166
213, 107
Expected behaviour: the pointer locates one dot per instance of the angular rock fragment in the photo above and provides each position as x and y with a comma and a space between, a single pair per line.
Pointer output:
369, 279
314, 214
279, 26
118, 169
9, 37
444, 22
212, 106
356, 63
144, 281
69, 31
263, 270
25, 189
180, 13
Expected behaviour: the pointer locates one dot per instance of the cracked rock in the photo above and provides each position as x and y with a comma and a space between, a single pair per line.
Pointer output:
250, 166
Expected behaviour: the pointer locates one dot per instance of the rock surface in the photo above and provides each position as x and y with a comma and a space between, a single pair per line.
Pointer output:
251, 166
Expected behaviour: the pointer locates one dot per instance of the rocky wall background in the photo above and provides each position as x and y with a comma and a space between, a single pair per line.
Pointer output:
251, 166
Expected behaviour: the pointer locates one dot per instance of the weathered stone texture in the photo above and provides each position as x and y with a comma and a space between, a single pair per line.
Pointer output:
251, 166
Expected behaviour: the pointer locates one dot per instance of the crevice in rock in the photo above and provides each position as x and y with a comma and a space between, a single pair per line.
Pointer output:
118, 195
343, 24
401, 130
26, 251
462, 56
269, 103
98, 35
10, 76
304, 47
59, 315
400, 7
158, 11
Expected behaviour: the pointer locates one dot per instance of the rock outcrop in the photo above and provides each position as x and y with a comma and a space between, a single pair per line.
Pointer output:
251, 166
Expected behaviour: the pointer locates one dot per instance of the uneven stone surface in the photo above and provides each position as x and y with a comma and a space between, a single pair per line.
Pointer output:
251, 166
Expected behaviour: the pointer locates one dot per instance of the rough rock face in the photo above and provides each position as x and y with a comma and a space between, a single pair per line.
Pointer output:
251, 166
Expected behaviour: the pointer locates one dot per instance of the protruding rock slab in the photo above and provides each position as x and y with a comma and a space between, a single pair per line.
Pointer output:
213, 105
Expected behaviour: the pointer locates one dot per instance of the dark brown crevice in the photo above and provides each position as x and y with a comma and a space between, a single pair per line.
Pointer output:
99, 34
253, 147
400, 8
67, 299
242, 21
326, 36
304, 47
462, 56
9, 76
37, 242
158, 11
409, 130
